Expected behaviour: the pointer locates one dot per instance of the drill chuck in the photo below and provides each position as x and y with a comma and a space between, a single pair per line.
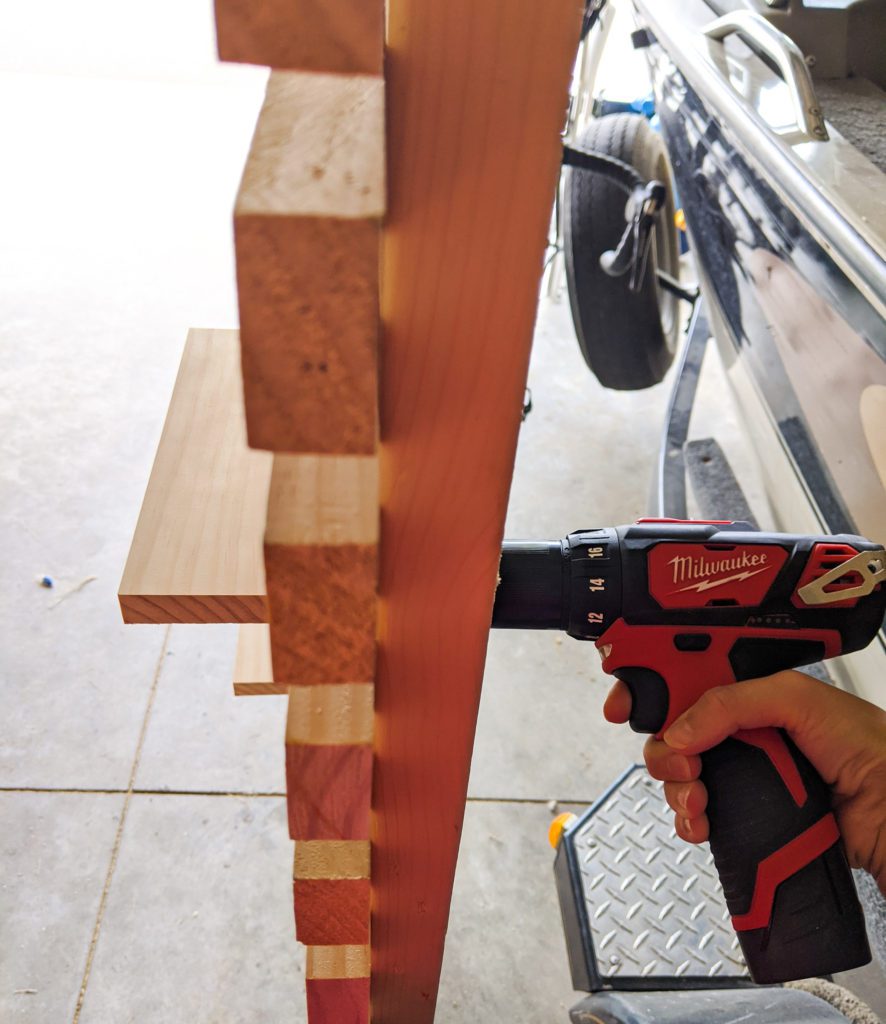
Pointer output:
572, 584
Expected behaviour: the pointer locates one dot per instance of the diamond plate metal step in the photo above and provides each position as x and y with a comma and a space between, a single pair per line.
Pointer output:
641, 908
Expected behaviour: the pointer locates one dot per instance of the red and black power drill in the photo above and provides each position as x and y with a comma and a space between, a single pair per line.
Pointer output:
678, 607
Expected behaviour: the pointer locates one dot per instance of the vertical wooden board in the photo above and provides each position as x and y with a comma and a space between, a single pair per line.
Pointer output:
306, 232
310, 35
477, 93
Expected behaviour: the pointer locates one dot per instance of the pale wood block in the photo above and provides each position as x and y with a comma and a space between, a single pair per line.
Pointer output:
332, 715
306, 229
330, 858
196, 555
324, 962
308, 35
323, 500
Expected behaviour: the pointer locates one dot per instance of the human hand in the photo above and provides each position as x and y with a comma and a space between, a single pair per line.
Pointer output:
843, 736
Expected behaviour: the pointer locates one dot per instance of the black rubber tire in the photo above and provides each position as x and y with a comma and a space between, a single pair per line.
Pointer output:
627, 339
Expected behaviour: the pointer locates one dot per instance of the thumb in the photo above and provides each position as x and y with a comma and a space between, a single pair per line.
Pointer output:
754, 704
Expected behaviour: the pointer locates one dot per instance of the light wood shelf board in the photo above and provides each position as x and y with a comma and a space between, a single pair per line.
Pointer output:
196, 555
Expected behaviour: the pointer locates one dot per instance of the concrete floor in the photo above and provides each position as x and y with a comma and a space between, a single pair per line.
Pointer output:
145, 857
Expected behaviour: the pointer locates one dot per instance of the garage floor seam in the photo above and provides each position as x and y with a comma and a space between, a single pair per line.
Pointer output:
267, 794
115, 851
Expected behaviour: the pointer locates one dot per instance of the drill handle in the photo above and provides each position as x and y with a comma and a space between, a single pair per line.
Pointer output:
777, 849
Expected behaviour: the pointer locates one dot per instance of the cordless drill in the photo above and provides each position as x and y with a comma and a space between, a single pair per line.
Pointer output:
678, 607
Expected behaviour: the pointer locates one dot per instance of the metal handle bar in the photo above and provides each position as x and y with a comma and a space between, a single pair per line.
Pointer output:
786, 56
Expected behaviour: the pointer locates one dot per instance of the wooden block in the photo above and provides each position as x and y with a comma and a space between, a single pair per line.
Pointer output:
331, 890
477, 92
253, 675
306, 229
338, 1000
328, 791
196, 555
331, 859
339, 714
324, 963
337, 984
307, 35
322, 566
331, 912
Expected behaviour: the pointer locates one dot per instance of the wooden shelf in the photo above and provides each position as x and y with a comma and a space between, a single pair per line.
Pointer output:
196, 555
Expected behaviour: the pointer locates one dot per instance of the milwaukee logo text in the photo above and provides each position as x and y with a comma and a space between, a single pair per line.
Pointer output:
739, 567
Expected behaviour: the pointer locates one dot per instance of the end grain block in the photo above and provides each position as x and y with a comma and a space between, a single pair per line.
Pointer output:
321, 563
329, 761
331, 891
307, 230
306, 35
338, 984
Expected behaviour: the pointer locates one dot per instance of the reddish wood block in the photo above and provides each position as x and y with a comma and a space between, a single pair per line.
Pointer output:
338, 1000
330, 592
331, 912
308, 290
309, 35
328, 791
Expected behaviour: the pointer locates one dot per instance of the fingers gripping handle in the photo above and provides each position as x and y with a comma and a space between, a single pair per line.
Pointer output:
777, 849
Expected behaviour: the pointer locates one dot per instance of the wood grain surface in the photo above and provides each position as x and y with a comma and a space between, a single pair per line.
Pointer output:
477, 93
331, 912
337, 962
196, 555
321, 568
308, 35
253, 676
331, 859
328, 791
306, 231
338, 1000
334, 714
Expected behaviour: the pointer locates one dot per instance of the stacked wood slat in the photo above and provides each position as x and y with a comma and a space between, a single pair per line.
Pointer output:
307, 225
